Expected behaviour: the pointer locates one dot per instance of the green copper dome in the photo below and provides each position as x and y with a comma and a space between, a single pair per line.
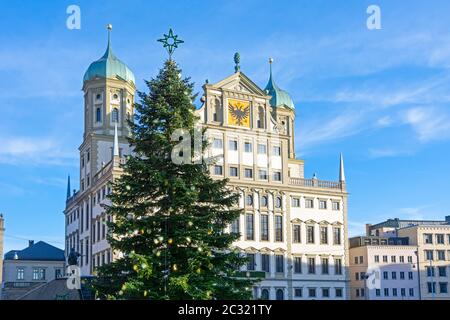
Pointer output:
109, 66
279, 96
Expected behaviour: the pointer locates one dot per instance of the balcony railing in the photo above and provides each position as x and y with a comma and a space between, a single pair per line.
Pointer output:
315, 183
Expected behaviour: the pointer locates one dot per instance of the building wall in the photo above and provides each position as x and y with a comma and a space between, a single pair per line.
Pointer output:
385, 277
11, 266
439, 262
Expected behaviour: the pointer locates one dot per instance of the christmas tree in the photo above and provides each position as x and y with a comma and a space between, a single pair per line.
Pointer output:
169, 219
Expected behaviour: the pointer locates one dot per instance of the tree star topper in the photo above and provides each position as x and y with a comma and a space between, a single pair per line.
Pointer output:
170, 42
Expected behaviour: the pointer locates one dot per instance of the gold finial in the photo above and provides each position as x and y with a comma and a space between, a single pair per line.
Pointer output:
109, 26
270, 60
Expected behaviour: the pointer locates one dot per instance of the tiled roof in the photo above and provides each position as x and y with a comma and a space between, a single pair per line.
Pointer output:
40, 251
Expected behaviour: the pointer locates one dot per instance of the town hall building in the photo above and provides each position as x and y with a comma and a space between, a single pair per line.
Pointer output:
293, 229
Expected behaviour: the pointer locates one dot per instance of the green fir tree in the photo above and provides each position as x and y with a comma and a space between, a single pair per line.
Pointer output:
169, 219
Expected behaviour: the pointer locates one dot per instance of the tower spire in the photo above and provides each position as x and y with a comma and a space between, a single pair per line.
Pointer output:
68, 186
108, 51
116, 142
341, 169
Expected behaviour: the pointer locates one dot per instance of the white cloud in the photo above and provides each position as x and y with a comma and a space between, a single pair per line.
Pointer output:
429, 123
34, 151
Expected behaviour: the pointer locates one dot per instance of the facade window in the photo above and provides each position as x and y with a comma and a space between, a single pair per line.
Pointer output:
262, 149
276, 150
278, 202
38, 274
410, 259
250, 235
262, 174
218, 170
311, 265
312, 292
98, 115
441, 255
115, 115
235, 226
431, 287
325, 292
296, 202
278, 228
386, 292
20, 273
385, 259
443, 287
248, 173
393, 259
428, 238
402, 259
411, 292
325, 266
322, 204
264, 220
338, 266
233, 145
385, 275
403, 292
402, 275
264, 294
276, 176
234, 172
309, 203
430, 271
339, 292
249, 200
279, 263
251, 262
442, 271
264, 201
280, 294
377, 292
440, 239
335, 205
429, 254
410, 275
297, 265
394, 275
296, 230
265, 262
86, 246
394, 292
323, 235
260, 121
377, 258
310, 234
248, 147
298, 292
217, 143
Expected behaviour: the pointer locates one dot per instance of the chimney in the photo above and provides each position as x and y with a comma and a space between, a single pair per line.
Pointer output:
30, 243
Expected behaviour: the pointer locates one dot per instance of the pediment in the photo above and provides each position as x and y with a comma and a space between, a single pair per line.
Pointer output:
239, 82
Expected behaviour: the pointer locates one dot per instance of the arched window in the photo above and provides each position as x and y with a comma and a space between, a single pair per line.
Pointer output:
115, 115
265, 294
249, 200
280, 294
264, 201
217, 110
278, 202
98, 114
261, 117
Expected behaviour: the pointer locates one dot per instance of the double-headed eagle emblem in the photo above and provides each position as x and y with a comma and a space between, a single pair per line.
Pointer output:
239, 112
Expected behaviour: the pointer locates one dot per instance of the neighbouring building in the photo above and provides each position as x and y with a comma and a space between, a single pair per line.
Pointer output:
294, 229
432, 242
24, 270
383, 268
2, 234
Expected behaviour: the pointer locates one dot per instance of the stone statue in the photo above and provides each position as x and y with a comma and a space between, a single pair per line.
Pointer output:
72, 260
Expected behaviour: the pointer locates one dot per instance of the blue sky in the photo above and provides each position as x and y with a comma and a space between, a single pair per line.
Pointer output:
382, 97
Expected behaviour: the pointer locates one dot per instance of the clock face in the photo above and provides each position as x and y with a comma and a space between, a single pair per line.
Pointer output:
239, 113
